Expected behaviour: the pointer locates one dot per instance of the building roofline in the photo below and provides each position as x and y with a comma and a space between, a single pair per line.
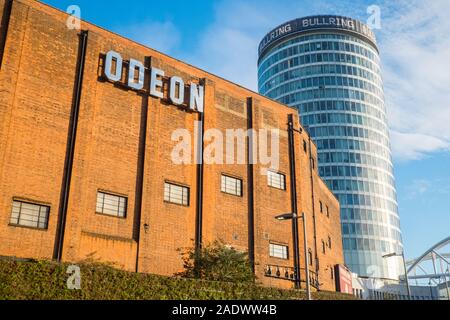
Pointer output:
295, 27
178, 60
164, 54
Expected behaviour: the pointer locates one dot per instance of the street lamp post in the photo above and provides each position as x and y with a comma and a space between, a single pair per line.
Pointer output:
305, 242
404, 266
294, 217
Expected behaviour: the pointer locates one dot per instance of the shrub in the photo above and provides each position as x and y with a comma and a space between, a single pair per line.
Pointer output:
217, 262
47, 280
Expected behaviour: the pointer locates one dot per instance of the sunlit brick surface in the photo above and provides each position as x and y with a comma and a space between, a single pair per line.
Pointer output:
36, 97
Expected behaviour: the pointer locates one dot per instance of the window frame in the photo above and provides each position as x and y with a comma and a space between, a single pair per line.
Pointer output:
282, 245
114, 194
310, 257
176, 184
276, 173
224, 175
34, 203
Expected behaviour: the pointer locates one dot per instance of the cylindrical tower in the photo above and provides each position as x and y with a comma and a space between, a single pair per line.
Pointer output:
328, 67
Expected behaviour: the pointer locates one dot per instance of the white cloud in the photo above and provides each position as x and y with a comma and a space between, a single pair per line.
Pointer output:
161, 36
415, 146
419, 187
427, 190
229, 46
415, 50
415, 46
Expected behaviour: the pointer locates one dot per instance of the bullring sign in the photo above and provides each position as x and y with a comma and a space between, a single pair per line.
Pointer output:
135, 80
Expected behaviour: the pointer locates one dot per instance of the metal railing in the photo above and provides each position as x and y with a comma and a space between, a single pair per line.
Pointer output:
287, 273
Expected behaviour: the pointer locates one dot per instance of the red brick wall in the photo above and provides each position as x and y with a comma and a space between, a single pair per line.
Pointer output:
35, 100
36, 86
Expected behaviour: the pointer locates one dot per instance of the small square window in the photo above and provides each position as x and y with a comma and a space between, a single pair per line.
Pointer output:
111, 205
231, 186
278, 251
29, 215
276, 180
176, 194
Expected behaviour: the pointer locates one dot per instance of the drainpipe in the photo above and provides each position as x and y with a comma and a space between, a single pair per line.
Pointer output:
294, 201
311, 169
250, 186
141, 168
67, 176
200, 171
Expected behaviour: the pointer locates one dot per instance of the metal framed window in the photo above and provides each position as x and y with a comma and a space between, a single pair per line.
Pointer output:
29, 215
231, 185
111, 205
310, 257
176, 194
276, 180
278, 251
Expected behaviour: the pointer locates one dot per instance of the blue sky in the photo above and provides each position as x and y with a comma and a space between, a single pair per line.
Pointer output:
222, 37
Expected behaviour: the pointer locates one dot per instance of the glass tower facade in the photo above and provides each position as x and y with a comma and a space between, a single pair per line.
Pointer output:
328, 67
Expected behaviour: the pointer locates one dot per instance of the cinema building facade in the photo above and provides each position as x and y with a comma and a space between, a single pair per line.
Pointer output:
86, 158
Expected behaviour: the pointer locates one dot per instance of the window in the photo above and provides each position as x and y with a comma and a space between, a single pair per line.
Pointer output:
276, 180
231, 186
321, 206
29, 215
278, 251
305, 147
328, 212
111, 205
176, 194
329, 242
310, 257
323, 247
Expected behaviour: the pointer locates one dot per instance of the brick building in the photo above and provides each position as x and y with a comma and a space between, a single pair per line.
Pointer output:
86, 163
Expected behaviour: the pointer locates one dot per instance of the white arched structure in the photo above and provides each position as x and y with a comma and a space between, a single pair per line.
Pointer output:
433, 266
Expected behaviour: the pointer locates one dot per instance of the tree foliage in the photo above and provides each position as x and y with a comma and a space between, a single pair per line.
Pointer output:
217, 262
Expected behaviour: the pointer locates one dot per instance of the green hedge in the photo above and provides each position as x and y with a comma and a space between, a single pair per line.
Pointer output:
43, 280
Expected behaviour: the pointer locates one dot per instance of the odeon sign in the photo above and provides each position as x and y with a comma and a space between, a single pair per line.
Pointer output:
178, 95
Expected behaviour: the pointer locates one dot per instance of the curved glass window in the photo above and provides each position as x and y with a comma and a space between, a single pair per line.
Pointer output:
313, 37
322, 69
317, 47
340, 105
322, 82
334, 80
313, 58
